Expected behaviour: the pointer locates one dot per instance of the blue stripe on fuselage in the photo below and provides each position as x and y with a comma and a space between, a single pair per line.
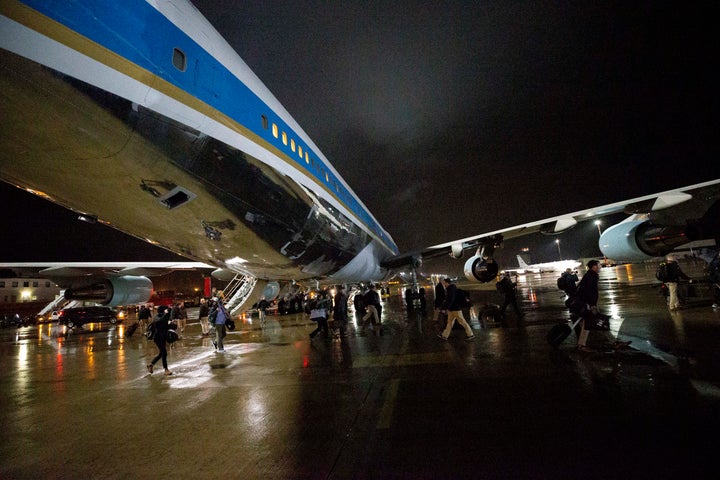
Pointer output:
150, 43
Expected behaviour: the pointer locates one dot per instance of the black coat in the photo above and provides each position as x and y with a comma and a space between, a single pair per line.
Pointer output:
588, 288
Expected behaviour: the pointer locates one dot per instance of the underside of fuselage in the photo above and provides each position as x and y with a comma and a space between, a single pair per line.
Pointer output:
152, 177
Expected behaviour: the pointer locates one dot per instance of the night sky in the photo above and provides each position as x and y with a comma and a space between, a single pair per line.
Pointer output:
450, 119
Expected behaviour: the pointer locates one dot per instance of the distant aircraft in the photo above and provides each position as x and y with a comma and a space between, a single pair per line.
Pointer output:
139, 115
559, 266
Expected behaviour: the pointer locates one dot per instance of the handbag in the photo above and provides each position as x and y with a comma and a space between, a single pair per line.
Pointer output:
230, 324
172, 336
597, 322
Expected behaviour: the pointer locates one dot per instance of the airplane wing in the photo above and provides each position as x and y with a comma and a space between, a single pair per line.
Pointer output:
109, 283
657, 224
639, 205
103, 269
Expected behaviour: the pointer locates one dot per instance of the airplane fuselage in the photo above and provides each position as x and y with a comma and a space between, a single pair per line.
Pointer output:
140, 114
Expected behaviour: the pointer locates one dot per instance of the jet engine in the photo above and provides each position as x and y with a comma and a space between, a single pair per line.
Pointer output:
639, 240
113, 291
480, 269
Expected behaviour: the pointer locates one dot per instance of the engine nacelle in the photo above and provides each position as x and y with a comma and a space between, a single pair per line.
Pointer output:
639, 240
113, 291
479, 269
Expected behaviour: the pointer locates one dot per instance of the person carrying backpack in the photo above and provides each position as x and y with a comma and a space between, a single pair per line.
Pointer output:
454, 303
568, 282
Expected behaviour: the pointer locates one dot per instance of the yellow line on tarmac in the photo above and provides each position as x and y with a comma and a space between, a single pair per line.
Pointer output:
389, 405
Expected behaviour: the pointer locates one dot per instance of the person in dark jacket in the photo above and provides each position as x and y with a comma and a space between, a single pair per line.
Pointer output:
588, 292
570, 280
340, 310
160, 327
454, 303
262, 307
509, 290
144, 317
439, 300
714, 277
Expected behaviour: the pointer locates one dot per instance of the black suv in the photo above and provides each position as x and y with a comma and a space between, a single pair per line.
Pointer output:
78, 316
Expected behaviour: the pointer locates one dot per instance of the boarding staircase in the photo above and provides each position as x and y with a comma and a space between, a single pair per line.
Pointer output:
237, 292
56, 304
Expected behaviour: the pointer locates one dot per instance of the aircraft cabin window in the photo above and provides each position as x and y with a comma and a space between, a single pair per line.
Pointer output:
307, 158
284, 138
264, 122
300, 151
275, 131
292, 144
179, 60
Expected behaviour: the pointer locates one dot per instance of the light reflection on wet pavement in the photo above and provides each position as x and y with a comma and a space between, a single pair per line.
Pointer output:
400, 405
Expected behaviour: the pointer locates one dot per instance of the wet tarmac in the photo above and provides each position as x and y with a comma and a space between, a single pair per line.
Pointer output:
401, 405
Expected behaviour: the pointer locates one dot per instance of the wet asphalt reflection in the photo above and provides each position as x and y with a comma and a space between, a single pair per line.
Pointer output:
403, 404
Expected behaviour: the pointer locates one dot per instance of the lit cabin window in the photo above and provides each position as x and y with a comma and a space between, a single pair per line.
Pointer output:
307, 158
264, 122
179, 60
292, 144
327, 179
300, 151
275, 131
284, 138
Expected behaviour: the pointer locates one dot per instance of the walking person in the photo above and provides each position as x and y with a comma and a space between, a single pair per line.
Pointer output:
182, 318
371, 299
160, 327
588, 293
439, 300
568, 282
340, 310
220, 318
144, 316
509, 290
319, 313
262, 310
674, 275
203, 317
454, 303
714, 277
359, 305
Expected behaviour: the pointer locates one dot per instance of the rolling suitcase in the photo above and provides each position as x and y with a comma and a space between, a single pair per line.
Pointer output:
560, 332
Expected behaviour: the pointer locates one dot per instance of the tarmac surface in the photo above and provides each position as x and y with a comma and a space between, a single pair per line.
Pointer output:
406, 404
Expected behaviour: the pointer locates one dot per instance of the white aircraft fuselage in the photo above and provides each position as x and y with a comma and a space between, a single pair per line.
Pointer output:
138, 113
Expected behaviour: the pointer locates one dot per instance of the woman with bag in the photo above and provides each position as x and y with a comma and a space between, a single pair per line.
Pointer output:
160, 327
319, 314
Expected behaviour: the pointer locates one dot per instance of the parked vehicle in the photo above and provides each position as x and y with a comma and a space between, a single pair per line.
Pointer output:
78, 316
